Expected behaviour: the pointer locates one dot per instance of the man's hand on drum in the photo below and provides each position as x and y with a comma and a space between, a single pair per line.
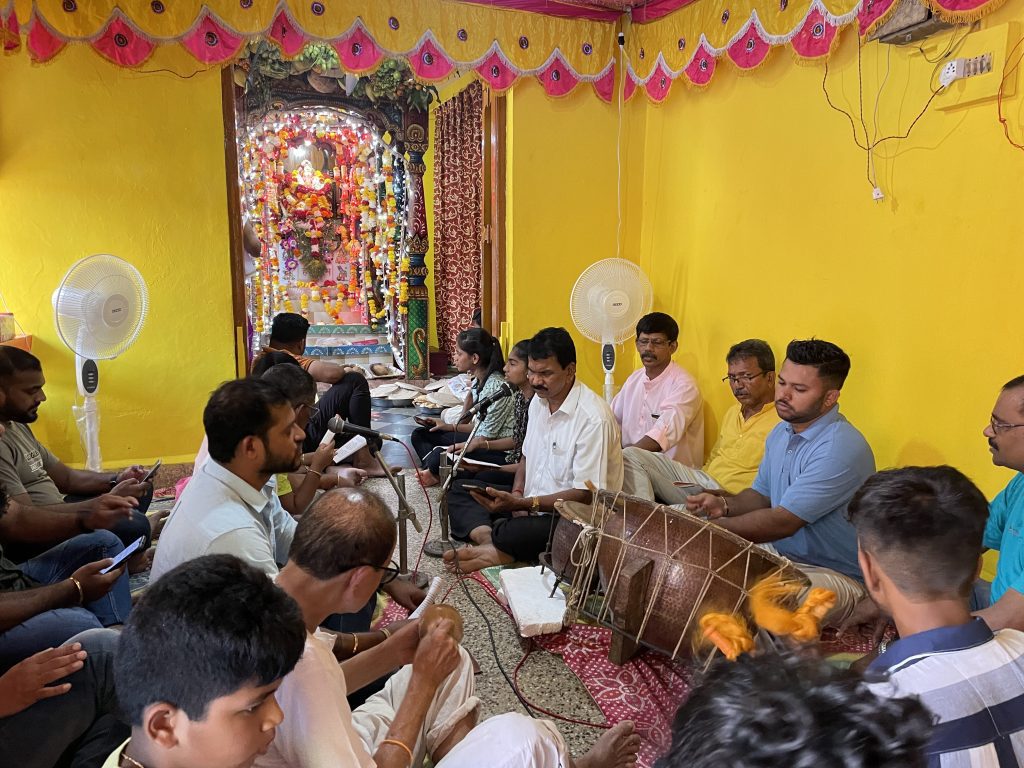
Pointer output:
707, 504
496, 502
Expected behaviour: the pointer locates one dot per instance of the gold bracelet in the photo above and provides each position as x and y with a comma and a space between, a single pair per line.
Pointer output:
312, 471
78, 586
397, 743
487, 445
355, 643
386, 632
725, 501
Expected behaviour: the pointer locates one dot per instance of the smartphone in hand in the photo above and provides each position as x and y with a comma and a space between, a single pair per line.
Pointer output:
152, 473
125, 553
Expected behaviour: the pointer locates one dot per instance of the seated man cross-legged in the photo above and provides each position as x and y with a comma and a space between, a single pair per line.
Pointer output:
736, 455
571, 439
347, 397
920, 532
37, 481
342, 548
813, 463
659, 408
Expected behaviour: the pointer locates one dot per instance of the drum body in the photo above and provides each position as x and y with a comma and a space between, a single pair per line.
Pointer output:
650, 571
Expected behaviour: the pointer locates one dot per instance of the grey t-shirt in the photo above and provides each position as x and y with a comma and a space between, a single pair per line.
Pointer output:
25, 464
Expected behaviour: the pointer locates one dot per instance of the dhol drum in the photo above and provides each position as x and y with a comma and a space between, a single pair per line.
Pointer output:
650, 572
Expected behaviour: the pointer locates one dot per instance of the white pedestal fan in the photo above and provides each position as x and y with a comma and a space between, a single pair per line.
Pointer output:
98, 308
608, 299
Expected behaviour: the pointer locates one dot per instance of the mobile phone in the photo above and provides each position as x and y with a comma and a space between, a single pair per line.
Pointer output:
149, 475
475, 487
423, 421
680, 484
124, 554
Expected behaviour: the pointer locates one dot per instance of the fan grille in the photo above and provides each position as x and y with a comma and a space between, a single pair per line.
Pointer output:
100, 306
608, 299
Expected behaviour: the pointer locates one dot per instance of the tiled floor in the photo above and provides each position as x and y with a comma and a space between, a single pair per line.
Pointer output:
398, 422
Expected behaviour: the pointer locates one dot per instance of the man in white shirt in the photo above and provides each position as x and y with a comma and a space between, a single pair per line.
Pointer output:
571, 439
659, 408
342, 550
229, 506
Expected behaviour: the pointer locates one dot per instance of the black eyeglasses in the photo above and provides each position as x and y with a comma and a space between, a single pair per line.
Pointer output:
389, 573
744, 378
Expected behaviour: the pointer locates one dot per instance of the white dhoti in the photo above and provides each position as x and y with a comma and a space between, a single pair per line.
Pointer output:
652, 476
452, 702
510, 741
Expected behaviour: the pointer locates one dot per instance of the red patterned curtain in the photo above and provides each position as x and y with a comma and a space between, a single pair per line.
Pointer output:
458, 212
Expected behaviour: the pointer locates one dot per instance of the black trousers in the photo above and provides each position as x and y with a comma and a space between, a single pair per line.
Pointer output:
350, 399
424, 442
433, 459
524, 538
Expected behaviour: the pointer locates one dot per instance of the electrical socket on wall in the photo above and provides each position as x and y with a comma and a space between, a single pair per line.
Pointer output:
958, 69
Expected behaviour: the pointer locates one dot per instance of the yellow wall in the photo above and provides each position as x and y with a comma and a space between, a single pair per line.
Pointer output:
561, 206
759, 221
94, 159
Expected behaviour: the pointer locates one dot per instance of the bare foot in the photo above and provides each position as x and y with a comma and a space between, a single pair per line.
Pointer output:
426, 477
469, 559
157, 520
617, 748
141, 561
349, 477
364, 461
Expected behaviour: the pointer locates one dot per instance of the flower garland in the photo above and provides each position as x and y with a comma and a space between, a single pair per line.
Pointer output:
346, 221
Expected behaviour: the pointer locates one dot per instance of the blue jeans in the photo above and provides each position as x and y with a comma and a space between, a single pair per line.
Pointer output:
53, 628
79, 728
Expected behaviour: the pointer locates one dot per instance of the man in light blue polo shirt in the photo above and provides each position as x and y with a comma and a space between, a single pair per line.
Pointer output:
813, 463
1005, 529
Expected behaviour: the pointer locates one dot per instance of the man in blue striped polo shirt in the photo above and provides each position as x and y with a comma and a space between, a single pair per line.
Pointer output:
919, 531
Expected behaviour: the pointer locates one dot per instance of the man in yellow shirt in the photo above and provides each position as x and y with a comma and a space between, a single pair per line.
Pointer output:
737, 454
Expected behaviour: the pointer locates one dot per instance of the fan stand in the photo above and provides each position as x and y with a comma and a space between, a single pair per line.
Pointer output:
88, 377
608, 363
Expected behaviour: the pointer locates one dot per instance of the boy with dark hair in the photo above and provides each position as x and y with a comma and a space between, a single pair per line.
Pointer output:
659, 408
919, 531
198, 664
813, 464
767, 711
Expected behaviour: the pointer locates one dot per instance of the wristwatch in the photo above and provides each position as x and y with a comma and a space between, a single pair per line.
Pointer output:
535, 504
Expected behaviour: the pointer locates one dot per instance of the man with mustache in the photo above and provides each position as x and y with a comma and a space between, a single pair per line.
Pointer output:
52, 503
229, 506
734, 460
659, 408
1005, 528
813, 464
571, 439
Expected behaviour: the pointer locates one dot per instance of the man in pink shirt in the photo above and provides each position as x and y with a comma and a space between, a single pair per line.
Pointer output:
659, 408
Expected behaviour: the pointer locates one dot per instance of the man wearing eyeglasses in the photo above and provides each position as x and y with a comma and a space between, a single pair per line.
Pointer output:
342, 551
659, 408
737, 454
1005, 529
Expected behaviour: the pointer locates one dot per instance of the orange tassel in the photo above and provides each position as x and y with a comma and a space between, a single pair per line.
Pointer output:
803, 624
728, 633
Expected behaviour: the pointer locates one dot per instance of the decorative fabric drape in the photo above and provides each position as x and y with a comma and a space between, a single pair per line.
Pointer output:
458, 212
561, 43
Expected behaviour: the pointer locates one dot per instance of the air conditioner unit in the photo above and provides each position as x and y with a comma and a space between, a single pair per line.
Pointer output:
910, 22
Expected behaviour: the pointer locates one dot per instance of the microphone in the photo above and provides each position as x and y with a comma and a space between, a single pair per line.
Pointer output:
339, 425
506, 390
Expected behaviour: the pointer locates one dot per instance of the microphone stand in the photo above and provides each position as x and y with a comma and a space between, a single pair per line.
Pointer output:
438, 547
405, 514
